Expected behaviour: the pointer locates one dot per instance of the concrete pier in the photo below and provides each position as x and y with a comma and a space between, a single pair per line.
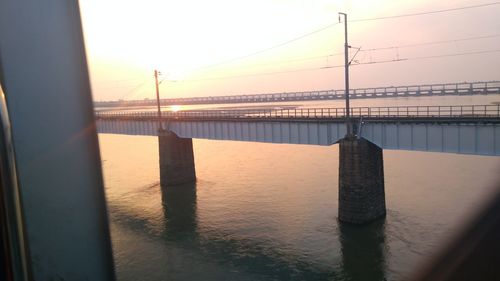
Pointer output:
176, 159
361, 181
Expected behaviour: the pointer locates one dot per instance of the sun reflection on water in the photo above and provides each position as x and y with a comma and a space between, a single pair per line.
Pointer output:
176, 108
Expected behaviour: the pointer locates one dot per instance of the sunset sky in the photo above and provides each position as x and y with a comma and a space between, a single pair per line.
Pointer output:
224, 47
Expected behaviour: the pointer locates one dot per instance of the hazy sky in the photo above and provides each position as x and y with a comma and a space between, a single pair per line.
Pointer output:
216, 47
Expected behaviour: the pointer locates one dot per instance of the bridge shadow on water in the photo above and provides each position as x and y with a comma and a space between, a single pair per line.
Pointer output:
362, 247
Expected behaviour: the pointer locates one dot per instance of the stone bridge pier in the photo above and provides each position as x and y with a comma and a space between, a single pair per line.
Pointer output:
176, 159
361, 181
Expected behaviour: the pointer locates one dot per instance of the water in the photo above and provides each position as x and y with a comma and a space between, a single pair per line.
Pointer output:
269, 212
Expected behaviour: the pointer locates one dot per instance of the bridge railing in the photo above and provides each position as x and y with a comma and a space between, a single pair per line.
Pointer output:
452, 111
429, 111
433, 89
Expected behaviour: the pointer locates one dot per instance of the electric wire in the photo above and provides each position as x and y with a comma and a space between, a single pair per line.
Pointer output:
334, 24
454, 55
292, 60
429, 57
341, 66
268, 48
364, 50
432, 43
375, 49
259, 74
426, 13
133, 90
116, 81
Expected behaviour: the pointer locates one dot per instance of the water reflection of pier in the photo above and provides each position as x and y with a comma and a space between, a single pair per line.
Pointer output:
179, 208
362, 247
363, 251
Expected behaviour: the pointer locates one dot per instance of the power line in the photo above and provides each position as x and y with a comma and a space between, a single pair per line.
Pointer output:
294, 60
426, 13
262, 64
113, 87
455, 55
133, 90
385, 48
260, 74
334, 24
269, 48
341, 53
430, 57
431, 43
339, 66
375, 49
116, 81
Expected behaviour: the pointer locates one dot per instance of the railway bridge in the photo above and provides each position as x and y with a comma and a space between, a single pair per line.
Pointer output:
471, 129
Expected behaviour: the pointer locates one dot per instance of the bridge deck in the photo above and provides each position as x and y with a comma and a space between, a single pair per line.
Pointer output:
465, 130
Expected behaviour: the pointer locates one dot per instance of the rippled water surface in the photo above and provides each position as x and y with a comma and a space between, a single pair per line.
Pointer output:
269, 212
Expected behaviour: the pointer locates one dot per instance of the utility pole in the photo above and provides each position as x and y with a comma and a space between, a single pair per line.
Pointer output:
158, 99
346, 62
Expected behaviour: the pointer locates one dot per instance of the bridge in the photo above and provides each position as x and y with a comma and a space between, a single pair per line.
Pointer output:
473, 129
446, 89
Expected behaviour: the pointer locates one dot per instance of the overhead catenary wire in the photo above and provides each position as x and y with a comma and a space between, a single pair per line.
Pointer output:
299, 59
454, 55
120, 86
336, 23
258, 74
116, 81
430, 57
375, 49
134, 90
364, 50
269, 48
340, 66
426, 13
432, 43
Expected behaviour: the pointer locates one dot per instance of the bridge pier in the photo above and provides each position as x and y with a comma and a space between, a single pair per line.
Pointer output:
361, 181
176, 159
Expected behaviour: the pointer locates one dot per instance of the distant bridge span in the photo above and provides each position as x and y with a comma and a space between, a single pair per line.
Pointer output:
451, 89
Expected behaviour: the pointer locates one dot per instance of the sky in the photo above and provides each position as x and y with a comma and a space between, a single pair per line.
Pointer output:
232, 47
